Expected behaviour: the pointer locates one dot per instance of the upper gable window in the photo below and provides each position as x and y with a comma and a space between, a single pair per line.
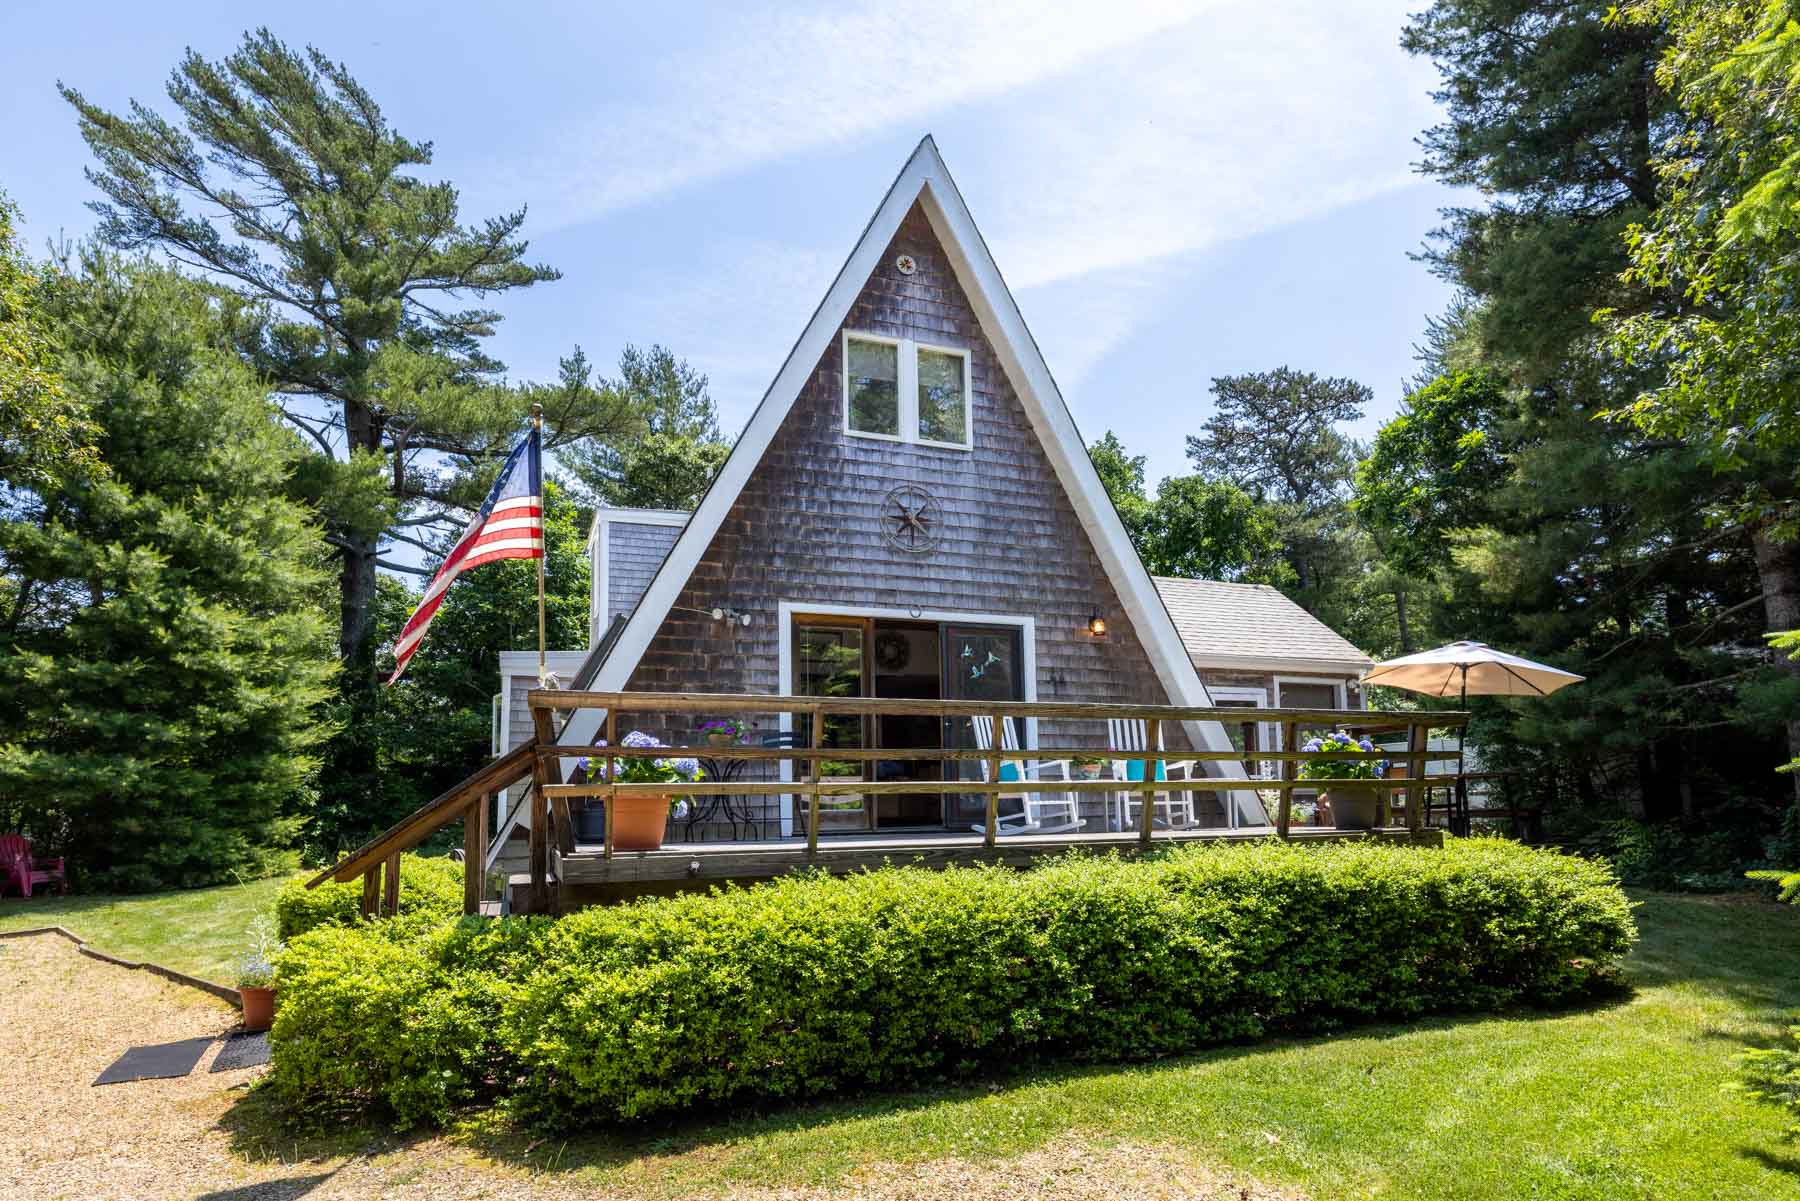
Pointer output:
906, 391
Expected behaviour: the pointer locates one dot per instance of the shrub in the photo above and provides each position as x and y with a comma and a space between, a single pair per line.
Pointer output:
431, 890
397, 1015
810, 984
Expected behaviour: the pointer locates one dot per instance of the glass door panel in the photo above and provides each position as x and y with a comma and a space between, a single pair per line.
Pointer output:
981, 663
830, 659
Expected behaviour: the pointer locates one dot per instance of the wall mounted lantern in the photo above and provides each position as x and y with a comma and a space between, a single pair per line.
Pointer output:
1097, 624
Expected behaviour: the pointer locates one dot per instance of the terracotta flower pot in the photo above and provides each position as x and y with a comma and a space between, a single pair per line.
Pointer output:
1087, 771
721, 738
639, 822
259, 1007
1352, 805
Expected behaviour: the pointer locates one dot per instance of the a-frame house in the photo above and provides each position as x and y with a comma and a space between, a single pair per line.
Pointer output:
910, 511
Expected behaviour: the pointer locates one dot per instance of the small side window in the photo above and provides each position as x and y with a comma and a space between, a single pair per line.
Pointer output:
872, 381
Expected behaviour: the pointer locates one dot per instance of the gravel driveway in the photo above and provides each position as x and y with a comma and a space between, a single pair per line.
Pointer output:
64, 1017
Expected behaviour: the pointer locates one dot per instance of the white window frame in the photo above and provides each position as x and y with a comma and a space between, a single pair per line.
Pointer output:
1337, 685
906, 356
787, 610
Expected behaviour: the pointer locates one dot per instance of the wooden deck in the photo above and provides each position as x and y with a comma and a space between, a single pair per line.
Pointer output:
588, 871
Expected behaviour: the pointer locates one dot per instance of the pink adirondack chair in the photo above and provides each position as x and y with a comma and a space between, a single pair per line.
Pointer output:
20, 870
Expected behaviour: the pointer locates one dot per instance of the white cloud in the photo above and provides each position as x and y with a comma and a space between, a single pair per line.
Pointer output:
767, 84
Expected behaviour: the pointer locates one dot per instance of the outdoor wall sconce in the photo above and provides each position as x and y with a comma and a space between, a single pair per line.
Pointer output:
1097, 624
717, 613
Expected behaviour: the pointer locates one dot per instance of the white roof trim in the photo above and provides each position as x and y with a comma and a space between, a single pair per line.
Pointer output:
924, 178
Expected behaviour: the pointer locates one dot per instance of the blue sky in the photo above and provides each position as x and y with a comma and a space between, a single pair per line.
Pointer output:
1174, 191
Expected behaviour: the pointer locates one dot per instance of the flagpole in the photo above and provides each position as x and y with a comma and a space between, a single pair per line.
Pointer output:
537, 431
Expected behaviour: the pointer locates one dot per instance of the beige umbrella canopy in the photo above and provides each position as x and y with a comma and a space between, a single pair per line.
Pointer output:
1463, 668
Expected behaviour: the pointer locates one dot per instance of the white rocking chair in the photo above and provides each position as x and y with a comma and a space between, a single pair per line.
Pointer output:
1041, 812
1174, 809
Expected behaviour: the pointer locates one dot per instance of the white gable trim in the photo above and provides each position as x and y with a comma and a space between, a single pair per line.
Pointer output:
924, 178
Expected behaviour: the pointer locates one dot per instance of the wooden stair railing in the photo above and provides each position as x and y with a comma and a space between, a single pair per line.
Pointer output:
467, 801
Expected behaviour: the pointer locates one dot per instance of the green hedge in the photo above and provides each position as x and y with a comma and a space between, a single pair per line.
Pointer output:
810, 985
431, 890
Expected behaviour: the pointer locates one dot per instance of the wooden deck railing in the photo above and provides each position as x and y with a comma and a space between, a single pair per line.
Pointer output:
552, 794
541, 761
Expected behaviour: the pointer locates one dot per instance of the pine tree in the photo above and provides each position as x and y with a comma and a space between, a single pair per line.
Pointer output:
283, 179
159, 694
671, 461
1597, 548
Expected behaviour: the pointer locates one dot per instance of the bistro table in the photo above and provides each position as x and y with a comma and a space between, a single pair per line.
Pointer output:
738, 810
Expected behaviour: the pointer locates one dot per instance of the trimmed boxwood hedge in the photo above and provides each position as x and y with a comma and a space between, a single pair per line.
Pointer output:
431, 890
809, 984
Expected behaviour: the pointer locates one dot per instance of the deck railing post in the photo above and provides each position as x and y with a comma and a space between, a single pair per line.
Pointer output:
818, 772
994, 765
1147, 814
1418, 738
612, 790
390, 889
371, 891
475, 840
1290, 772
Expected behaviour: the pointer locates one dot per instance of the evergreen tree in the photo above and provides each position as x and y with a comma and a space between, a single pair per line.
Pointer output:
43, 429
159, 692
1275, 435
669, 463
1723, 242
282, 178
1598, 548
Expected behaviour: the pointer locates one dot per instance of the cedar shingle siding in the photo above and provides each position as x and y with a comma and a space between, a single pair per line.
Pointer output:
808, 525
633, 553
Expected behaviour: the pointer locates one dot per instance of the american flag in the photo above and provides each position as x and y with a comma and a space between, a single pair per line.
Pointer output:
510, 525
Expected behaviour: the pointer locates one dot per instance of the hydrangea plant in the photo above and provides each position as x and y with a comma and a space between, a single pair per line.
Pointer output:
1327, 768
641, 769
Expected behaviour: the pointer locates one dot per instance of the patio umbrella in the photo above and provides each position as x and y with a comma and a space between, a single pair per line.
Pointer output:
1464, 667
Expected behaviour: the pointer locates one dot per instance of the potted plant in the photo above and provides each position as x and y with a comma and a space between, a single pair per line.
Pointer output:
640, 819
727, 731
1087, 767
256, 974
1351, 792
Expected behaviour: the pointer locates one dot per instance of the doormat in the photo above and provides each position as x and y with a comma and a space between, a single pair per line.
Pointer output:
243, 1050
161, 1062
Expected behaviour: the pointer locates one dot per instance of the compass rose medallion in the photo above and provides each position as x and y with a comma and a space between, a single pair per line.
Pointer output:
910, 519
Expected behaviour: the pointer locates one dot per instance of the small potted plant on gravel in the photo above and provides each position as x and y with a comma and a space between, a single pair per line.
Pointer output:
256, 974
727, 731
640, 819
1351, 791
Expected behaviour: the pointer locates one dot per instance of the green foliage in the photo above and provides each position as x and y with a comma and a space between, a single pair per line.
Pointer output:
1787, 883
1723, 239
1618, 553
812, 984
44, 429
400, 1016
161, 681
668, 463
1772, 1075
1195, 528
1432, 470
431, 891
280, 175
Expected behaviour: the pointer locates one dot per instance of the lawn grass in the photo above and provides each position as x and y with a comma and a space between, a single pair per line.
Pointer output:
199, 932
1613, 1103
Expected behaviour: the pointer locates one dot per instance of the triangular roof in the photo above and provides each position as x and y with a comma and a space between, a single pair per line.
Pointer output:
925, 180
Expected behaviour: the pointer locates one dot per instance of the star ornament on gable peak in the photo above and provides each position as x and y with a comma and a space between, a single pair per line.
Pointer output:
910, 519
